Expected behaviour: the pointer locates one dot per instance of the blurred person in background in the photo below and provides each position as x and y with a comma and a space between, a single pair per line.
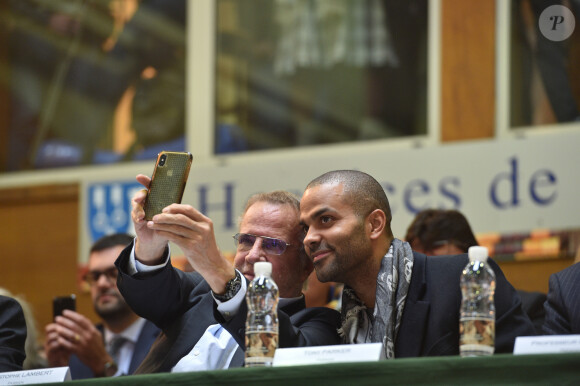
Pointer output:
437, 232
118, 344
34, 352
12, 334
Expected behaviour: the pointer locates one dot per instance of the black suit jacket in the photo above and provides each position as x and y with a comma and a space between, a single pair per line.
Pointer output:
149, 333
563, 303
430, 321
181, 305
12, 335
533, 306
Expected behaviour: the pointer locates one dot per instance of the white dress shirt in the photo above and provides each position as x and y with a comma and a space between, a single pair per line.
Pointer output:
216, 347
131, 334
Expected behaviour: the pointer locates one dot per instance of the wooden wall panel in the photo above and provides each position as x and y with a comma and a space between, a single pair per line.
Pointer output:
38, 247
467, 69
533, 275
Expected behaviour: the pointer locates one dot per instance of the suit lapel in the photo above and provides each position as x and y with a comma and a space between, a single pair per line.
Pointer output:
148, 334
413, 324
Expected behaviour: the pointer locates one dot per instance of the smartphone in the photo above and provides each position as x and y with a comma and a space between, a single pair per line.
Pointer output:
167, 182
60, 303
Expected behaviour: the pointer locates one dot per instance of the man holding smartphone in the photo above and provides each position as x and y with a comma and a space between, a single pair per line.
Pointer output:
118, 344
203, 314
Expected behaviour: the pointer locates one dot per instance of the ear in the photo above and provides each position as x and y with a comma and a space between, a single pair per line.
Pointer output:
376, 222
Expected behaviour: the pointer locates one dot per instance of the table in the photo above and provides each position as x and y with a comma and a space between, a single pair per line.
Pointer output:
498, 369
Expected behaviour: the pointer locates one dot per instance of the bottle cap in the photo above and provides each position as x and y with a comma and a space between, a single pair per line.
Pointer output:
477, 253
263, 268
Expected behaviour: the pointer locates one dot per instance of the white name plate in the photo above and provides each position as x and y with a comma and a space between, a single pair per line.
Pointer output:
26, 377
368, 352
547, 344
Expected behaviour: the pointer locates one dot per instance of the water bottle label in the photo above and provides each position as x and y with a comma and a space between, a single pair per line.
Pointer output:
260, 348
476, 336
472, 350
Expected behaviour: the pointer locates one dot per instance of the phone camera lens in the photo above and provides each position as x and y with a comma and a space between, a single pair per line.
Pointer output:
162, 160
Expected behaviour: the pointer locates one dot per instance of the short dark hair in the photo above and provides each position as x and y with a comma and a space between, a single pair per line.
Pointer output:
363, 192
434, 225
110, 241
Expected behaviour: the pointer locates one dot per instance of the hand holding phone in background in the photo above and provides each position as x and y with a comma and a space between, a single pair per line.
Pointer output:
61, 303
57, 354
73, 333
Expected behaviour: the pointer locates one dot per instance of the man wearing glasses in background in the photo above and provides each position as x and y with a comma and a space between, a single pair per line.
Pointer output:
119, 344
202, 314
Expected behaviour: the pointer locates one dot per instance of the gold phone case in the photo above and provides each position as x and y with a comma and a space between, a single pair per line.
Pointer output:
168, 181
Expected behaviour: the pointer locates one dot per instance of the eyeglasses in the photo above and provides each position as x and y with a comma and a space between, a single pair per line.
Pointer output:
92, 277
245, 242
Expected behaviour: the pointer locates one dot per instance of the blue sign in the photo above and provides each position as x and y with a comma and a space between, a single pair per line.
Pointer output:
109, 207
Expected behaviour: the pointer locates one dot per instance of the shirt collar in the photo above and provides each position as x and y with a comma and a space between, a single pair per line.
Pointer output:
131, 333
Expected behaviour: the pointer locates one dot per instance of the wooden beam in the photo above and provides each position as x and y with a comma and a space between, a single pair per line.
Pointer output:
467, 69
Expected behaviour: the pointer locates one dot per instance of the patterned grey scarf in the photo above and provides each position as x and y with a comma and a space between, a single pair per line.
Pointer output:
392, 288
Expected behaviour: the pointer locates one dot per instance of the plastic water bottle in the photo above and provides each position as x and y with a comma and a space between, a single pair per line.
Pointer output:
477, 319
262, 321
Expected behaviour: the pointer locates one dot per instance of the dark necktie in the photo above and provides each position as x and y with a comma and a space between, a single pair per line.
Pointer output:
115, 347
